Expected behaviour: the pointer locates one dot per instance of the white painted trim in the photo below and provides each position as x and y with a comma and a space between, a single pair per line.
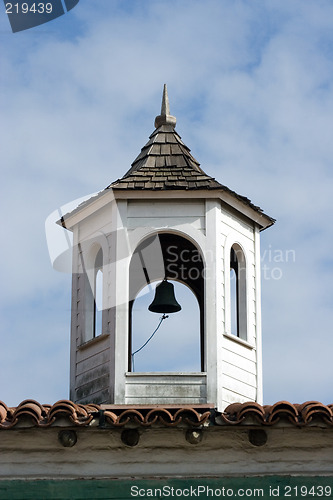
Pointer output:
122, 293
88, 208
75, 312
138, 235
106, 196
90, 250
166, 387
261, 219
212, 339
239, 340
165, 374
92, 341
258, 315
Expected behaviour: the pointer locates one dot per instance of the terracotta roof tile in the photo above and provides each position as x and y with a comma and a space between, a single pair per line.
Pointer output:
297, 414
32, 413
45, 415
169, 417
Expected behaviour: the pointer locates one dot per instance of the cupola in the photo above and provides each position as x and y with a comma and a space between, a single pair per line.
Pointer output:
166, 222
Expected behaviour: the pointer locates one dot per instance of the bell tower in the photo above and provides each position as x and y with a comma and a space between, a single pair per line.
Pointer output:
166, 222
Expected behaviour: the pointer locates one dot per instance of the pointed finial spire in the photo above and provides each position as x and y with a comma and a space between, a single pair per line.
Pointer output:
165, 108
165, 118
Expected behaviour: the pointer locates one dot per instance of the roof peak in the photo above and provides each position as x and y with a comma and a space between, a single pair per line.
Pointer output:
165, 118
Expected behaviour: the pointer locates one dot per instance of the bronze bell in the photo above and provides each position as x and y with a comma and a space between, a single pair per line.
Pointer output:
165, 300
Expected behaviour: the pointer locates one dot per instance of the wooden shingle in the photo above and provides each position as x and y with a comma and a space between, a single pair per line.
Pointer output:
166, 149
165, 162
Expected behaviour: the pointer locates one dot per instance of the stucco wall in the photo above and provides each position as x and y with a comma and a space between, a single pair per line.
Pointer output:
165, 452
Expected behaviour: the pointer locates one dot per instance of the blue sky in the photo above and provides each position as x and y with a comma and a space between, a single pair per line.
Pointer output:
250, 83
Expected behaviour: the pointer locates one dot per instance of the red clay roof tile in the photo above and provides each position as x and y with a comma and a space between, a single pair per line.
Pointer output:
37, 415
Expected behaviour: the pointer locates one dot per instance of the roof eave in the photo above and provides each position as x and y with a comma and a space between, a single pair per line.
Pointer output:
90, 206
85, 209
256, 215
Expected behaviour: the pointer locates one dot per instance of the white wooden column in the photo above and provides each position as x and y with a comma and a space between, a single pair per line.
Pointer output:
212, 342
258, 314
75, 311
121, 299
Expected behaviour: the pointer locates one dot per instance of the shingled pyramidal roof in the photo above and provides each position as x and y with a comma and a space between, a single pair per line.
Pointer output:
165, 162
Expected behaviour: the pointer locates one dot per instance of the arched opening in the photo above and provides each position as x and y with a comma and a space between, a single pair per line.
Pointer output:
238, 302
178, 345
175, 347
93, 295
233, 302
98, 293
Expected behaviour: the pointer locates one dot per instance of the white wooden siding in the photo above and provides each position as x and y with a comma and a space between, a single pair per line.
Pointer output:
165, 388
163, 208
232, 222
239, 372
92, 375
243, 389
92, 348
236, 231
98, 223
84, 363
246, 363
163, 214
236, 224
230, 397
